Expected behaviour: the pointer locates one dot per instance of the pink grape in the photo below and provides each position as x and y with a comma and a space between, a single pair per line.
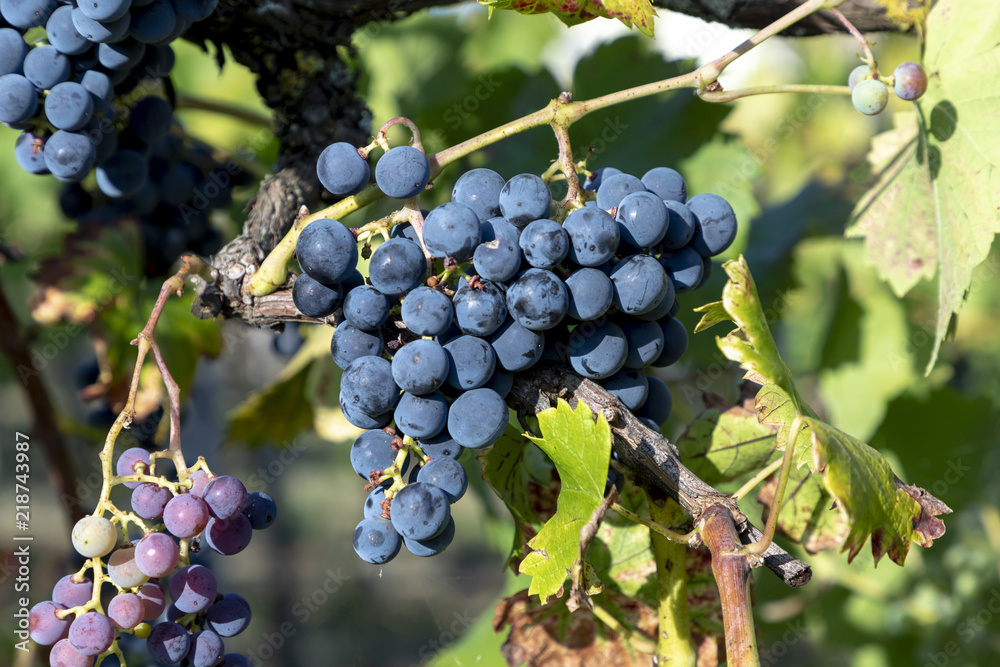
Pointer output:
200, 480
126, 463
156, 555
226, 496
193, 588
154, 600
44, 627
148, 500
72, 593
64, 655
126, 610
911, 81
186, 515
91, 633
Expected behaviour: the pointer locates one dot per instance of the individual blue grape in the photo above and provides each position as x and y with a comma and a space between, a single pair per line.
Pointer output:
206, 649
105, 10
681, 226
597, 352
441, 445
226, 496
154, 22
150, 119
502, 381
359, 418
62, 34
168, 643
421, 416
716, 224
593, 236
121, 175
645, 343
177, 184
477, 418
859, 73
44, 66
350, 343
397, 266
472, 362
642, 219
615, 188
376, 540
516, 347
100, 33
288, 341
229, 616
675, 341
448, 475
122, 55
869, 96
525, 198
402, 172
194, 10
29, 151
910, 81
479, 189
420, 367
659, 401
406, 231
373, 503
544, 243
235, 660
596, 177
44, 626
101, 90
327, 251
26, 14
13, 49
228, 536
367, 384
538, 299
18, 99
498, 256
261, 510
427, 312
91, 633
665, 183
366, 308
452, 230
420, 511
685, 267
479, 310
640, 284
629, 386
313, 298
434, 545
342, 170
591, 293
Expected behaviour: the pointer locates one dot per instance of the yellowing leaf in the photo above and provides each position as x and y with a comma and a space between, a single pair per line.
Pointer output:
639, 13
933, 210
580, 448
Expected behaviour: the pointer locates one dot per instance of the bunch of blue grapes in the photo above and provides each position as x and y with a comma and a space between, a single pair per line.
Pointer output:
184, 619
81, 93
430, 344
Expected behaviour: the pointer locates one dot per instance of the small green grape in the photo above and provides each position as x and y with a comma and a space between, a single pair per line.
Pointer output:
870, 96
94, 536
859, 73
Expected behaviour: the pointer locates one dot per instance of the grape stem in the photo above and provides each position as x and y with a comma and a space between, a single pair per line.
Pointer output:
730, 95
685, 538
757, 479
764, 542
184, 101
869, 58
559, 113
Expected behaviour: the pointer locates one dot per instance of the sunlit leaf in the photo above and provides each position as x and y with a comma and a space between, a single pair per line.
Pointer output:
639, 13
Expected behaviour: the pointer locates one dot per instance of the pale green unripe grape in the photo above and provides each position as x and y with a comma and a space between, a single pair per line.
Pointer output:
859, 73
94, 536
870, 96
123, 570
142, 630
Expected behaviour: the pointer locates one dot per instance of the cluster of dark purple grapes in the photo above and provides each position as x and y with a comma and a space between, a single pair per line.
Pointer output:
509, 288
216, 512
67, 93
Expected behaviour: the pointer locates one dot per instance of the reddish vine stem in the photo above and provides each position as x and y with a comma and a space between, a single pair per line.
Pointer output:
174, 396
567, 167
869, 58
731, 568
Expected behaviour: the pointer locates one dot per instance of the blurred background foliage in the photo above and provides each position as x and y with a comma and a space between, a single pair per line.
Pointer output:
792, 165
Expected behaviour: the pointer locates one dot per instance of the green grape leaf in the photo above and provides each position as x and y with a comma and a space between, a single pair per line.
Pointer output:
726, 443
253, 421
580, 448
932, 210
858, 479
639, 13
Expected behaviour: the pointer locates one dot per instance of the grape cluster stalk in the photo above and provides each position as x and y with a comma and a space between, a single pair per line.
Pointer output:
460, 299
